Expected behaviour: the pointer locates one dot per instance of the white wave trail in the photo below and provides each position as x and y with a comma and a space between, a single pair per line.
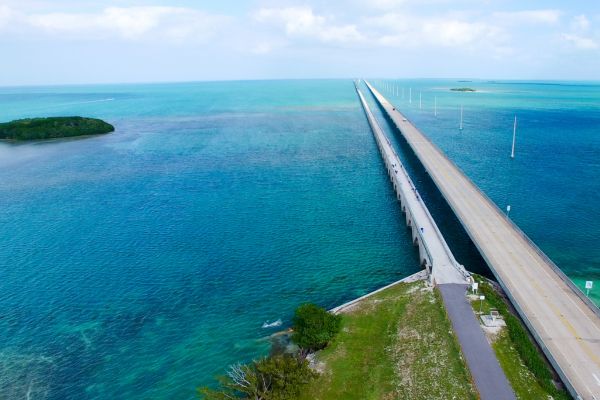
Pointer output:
85, 102
51, 106
273, 324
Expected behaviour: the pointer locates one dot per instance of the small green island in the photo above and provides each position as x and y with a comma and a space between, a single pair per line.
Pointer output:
463, 89
52, 128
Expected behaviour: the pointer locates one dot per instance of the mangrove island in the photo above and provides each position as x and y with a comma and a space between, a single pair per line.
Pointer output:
53, 128
463, 89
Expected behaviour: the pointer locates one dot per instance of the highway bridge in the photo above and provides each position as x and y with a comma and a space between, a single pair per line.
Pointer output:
564, 322
444, 271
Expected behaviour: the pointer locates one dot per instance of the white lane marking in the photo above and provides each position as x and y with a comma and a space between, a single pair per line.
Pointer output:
596, 378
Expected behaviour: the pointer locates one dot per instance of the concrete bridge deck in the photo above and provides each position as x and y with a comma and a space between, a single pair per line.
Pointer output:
434, 253
445, 271
563, 321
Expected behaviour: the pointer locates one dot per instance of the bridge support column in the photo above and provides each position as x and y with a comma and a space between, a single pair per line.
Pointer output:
422, 254
415, 237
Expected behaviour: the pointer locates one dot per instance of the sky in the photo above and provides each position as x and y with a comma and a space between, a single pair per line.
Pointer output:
118, 41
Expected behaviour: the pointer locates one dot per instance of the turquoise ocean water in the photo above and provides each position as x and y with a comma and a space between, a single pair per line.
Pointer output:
139, 264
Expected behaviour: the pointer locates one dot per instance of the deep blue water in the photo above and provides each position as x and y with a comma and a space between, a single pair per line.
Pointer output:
139, 264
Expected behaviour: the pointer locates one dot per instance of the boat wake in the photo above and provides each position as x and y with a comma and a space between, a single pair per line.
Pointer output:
86, 102
273, 324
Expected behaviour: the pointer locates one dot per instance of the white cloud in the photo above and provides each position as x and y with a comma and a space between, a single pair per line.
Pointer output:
530, 16
386, 4
262, 48
579, 36
580, 23
135, 21
458, 33
303, 22
580, 42
404, 30
131, 23
5, 15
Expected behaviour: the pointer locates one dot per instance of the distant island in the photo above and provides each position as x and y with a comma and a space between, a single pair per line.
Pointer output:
463, 89
53, 128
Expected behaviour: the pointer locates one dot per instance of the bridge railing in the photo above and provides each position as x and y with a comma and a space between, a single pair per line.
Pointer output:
437, 232
380, 138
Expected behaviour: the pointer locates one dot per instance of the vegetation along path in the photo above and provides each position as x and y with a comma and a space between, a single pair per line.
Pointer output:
487, 373
396, 344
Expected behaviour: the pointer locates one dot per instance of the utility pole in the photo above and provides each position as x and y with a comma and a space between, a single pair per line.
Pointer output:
512, 152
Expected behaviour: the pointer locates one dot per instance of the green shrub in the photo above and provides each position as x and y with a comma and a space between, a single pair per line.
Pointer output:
314, 327
280, 377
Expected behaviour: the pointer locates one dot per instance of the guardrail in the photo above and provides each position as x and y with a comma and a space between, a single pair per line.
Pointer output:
378, 138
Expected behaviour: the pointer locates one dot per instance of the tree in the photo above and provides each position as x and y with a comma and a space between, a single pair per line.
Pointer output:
314, 327
273, 378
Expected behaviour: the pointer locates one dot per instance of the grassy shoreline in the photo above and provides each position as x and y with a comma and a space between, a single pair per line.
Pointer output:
394, 343
397, 343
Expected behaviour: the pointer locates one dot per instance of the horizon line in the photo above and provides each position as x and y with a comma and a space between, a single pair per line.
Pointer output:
167, 82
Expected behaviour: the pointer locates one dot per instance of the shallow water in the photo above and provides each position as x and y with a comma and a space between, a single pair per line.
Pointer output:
141, 263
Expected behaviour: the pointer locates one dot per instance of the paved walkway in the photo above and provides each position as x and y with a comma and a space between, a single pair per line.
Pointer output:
487, 374
563, 321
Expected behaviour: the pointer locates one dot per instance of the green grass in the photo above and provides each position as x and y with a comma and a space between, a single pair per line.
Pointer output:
397, 344
520, 377
524, 365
